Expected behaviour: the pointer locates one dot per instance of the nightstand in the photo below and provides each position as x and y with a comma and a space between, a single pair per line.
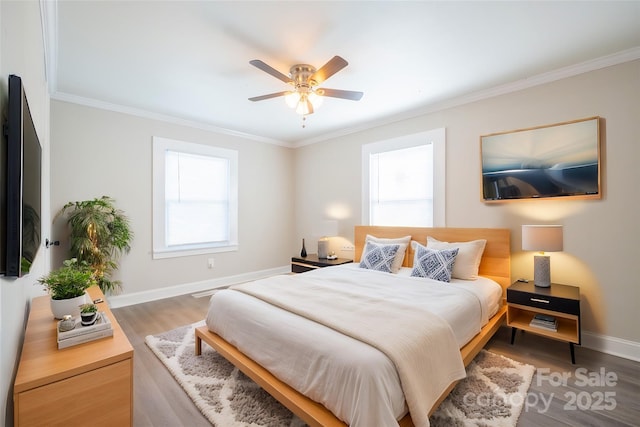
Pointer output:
562, 302
311, 262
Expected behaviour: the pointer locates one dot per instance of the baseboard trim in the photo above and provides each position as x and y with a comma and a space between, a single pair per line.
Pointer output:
204, 286
611, 345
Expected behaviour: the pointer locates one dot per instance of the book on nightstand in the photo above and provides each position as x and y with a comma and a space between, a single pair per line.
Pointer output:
544, 321
81, 334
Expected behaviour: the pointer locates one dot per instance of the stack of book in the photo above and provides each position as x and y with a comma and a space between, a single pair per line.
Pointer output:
81, 334
544, 321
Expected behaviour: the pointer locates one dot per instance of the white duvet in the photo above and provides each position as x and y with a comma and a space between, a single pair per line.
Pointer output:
356, 381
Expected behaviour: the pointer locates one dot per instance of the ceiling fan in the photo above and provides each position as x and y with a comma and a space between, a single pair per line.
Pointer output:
305, 95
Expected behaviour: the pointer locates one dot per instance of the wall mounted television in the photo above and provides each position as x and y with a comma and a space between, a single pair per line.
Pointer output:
555, 161
21, 211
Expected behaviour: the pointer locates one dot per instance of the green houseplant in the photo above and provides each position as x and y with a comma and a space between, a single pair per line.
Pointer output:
100, 234
67, 286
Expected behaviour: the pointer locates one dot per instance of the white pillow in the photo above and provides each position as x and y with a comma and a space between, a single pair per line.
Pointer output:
468, 258
399, 258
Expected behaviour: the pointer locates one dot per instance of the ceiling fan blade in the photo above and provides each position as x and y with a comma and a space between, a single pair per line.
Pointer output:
270, 70
334, 65
337, 93
268, 96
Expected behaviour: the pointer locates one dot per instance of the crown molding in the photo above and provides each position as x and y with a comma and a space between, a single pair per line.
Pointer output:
138, 112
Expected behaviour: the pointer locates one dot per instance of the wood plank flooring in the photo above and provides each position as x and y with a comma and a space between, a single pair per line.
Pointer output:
160, 401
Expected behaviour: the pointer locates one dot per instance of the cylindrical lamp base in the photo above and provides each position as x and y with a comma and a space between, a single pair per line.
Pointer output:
541, 271
323, 248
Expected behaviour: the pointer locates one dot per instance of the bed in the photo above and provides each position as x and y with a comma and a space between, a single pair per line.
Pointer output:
237, 314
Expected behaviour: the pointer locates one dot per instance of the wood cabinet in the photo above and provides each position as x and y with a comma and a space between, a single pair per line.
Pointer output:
87, 384
525, 300
311, 262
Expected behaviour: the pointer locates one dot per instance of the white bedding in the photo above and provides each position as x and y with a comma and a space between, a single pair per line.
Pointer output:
357, 382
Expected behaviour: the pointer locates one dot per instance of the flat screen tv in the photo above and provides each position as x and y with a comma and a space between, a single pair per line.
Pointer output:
22, 185
555, 161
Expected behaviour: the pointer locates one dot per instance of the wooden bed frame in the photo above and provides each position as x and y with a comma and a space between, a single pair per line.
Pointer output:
495, 264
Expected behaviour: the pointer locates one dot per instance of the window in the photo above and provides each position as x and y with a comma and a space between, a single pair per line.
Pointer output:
403, 181
195, 199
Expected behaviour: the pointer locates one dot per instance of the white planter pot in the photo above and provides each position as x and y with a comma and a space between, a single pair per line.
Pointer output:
62, 307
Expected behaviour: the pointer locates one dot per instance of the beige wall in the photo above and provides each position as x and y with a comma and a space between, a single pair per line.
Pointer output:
97, 152
600, 236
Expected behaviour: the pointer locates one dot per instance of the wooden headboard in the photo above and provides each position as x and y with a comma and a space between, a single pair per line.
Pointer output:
496, 259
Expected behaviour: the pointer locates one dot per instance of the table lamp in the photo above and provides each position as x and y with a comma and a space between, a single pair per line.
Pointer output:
328, 228
542, 238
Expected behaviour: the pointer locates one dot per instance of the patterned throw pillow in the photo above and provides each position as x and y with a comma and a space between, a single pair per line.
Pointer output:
434, 264
378, 257
402, 241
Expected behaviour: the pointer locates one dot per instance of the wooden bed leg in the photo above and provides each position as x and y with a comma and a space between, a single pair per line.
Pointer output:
198, 349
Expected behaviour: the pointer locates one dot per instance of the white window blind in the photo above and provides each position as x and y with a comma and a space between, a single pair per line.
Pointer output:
195, 198
403, 181
401, 187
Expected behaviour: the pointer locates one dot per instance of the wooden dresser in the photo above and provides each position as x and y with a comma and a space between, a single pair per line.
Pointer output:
87, 384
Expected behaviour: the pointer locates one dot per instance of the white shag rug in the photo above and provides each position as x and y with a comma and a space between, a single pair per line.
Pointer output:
492, 394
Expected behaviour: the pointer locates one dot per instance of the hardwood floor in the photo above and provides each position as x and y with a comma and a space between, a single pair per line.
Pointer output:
582, 398
158, 400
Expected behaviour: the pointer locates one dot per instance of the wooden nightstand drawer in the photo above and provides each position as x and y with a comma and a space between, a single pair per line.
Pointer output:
543, 298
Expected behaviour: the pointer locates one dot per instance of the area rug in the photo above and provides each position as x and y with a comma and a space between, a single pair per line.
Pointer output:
492, 394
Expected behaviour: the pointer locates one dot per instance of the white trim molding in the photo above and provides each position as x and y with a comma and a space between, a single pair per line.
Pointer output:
611, 345
203, 286
145, 114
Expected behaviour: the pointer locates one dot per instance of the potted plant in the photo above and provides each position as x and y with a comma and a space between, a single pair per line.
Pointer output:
100, 234
88, 314
67, 286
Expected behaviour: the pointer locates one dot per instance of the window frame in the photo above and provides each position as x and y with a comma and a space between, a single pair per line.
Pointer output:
160, 249
437, 137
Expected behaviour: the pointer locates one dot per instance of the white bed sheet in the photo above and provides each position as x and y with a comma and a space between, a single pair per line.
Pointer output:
342, 373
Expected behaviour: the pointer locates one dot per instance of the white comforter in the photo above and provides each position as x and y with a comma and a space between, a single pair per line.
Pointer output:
356, 381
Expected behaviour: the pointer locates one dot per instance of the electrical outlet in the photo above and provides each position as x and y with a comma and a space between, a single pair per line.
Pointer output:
211, 262
348, 248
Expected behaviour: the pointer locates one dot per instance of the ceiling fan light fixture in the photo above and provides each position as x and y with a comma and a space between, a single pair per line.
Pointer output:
315, 99
304, 107
292, 99
305, 95
304, 102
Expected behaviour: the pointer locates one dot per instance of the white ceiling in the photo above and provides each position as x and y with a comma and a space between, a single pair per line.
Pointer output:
190, 60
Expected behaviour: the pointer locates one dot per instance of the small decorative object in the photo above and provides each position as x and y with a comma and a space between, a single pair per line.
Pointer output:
303, 252
67, 286
542, 238
88, 314
67, 323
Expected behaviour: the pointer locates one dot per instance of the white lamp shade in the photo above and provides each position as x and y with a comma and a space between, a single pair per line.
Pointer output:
543, 238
